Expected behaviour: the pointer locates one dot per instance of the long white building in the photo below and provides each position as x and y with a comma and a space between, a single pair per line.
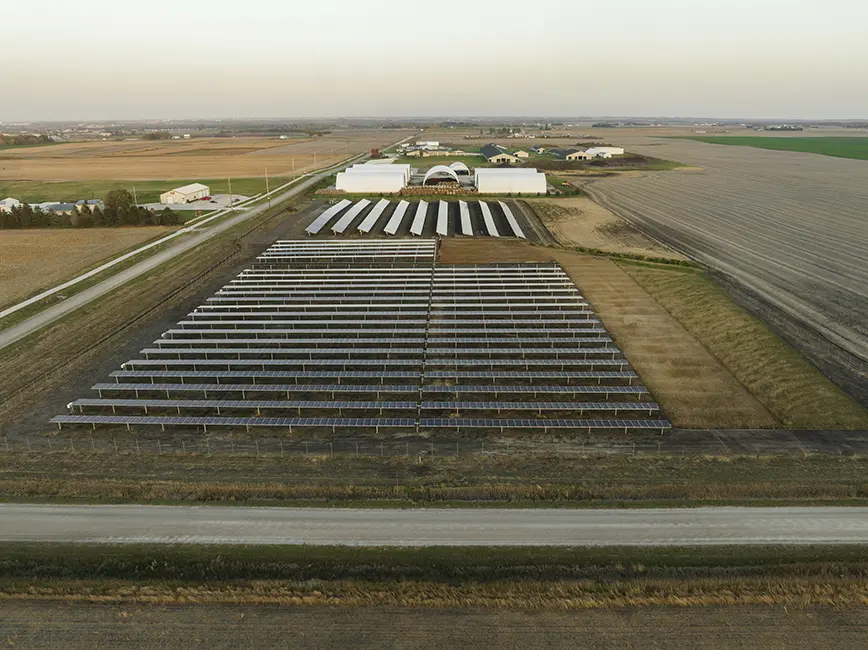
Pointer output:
509, 181
377, 179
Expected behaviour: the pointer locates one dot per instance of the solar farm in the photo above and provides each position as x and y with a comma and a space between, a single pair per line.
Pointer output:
419, 219
376, 336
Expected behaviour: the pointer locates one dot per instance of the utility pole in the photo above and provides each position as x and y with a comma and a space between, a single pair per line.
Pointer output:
293, 169
135, 199
266, 188
230, 193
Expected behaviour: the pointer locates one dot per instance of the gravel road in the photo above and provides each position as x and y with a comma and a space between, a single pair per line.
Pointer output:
791, 226
120, 524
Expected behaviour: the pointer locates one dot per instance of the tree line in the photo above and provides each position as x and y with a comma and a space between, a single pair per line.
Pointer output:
118, 209
23, 139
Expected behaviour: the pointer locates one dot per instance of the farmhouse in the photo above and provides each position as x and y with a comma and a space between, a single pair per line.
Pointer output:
521, 154
185, 194
577, 154
496, 154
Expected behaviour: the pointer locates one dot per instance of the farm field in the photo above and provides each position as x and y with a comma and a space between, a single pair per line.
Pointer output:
31, 260
840, 147
191, 159
579, 222
791, 228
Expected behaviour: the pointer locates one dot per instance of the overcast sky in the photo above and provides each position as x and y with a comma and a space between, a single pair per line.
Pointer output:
119, 59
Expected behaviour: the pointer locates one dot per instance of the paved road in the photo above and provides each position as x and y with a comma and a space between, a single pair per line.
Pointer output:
185, 243
791, 226
121, 524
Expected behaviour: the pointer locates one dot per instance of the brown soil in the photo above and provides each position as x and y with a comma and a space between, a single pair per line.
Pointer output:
581, 222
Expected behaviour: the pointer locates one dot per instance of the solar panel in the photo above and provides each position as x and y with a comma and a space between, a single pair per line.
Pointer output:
510, 218
326, 216
242, 404
443, 219
370, 423
258, 388
488, 219
396, 218
419, 218
466, 226
351, 214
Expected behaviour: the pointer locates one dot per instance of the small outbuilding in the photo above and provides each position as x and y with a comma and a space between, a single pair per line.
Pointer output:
185, 194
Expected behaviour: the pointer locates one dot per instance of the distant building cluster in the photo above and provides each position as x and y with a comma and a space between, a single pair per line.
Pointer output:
58, 207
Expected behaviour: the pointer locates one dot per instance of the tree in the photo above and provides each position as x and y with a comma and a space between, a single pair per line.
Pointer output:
96, 218
117, 199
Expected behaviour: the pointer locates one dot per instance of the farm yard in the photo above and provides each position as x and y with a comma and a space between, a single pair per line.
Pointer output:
31, 260
789, 226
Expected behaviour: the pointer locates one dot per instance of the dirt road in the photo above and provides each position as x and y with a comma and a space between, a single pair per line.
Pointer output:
119, 524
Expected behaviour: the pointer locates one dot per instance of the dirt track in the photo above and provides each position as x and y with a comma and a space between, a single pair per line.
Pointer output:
791, 226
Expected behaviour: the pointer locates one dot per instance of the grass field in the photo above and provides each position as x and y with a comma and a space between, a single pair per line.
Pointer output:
531, 577
31, 260
427, 162
840, 147
514, 480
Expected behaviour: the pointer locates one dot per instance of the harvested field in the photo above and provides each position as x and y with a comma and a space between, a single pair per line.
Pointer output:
31, 260
187, 627
197, 158
581, 222
790, 226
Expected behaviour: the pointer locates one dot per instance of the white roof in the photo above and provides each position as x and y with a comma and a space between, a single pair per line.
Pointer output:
10, 201
192, 187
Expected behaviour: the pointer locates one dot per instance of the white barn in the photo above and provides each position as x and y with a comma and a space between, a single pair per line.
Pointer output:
381, 180
185, 194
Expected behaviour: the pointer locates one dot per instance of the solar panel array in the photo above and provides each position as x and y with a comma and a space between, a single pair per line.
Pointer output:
375, 335
446, 218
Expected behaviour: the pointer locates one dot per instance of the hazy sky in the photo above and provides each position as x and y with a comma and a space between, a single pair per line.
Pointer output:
116, 59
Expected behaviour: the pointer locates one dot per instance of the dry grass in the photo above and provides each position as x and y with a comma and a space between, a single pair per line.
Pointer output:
534, 577
581, 222
693, 387
197, 158
31, 260
544, 480
794, 390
